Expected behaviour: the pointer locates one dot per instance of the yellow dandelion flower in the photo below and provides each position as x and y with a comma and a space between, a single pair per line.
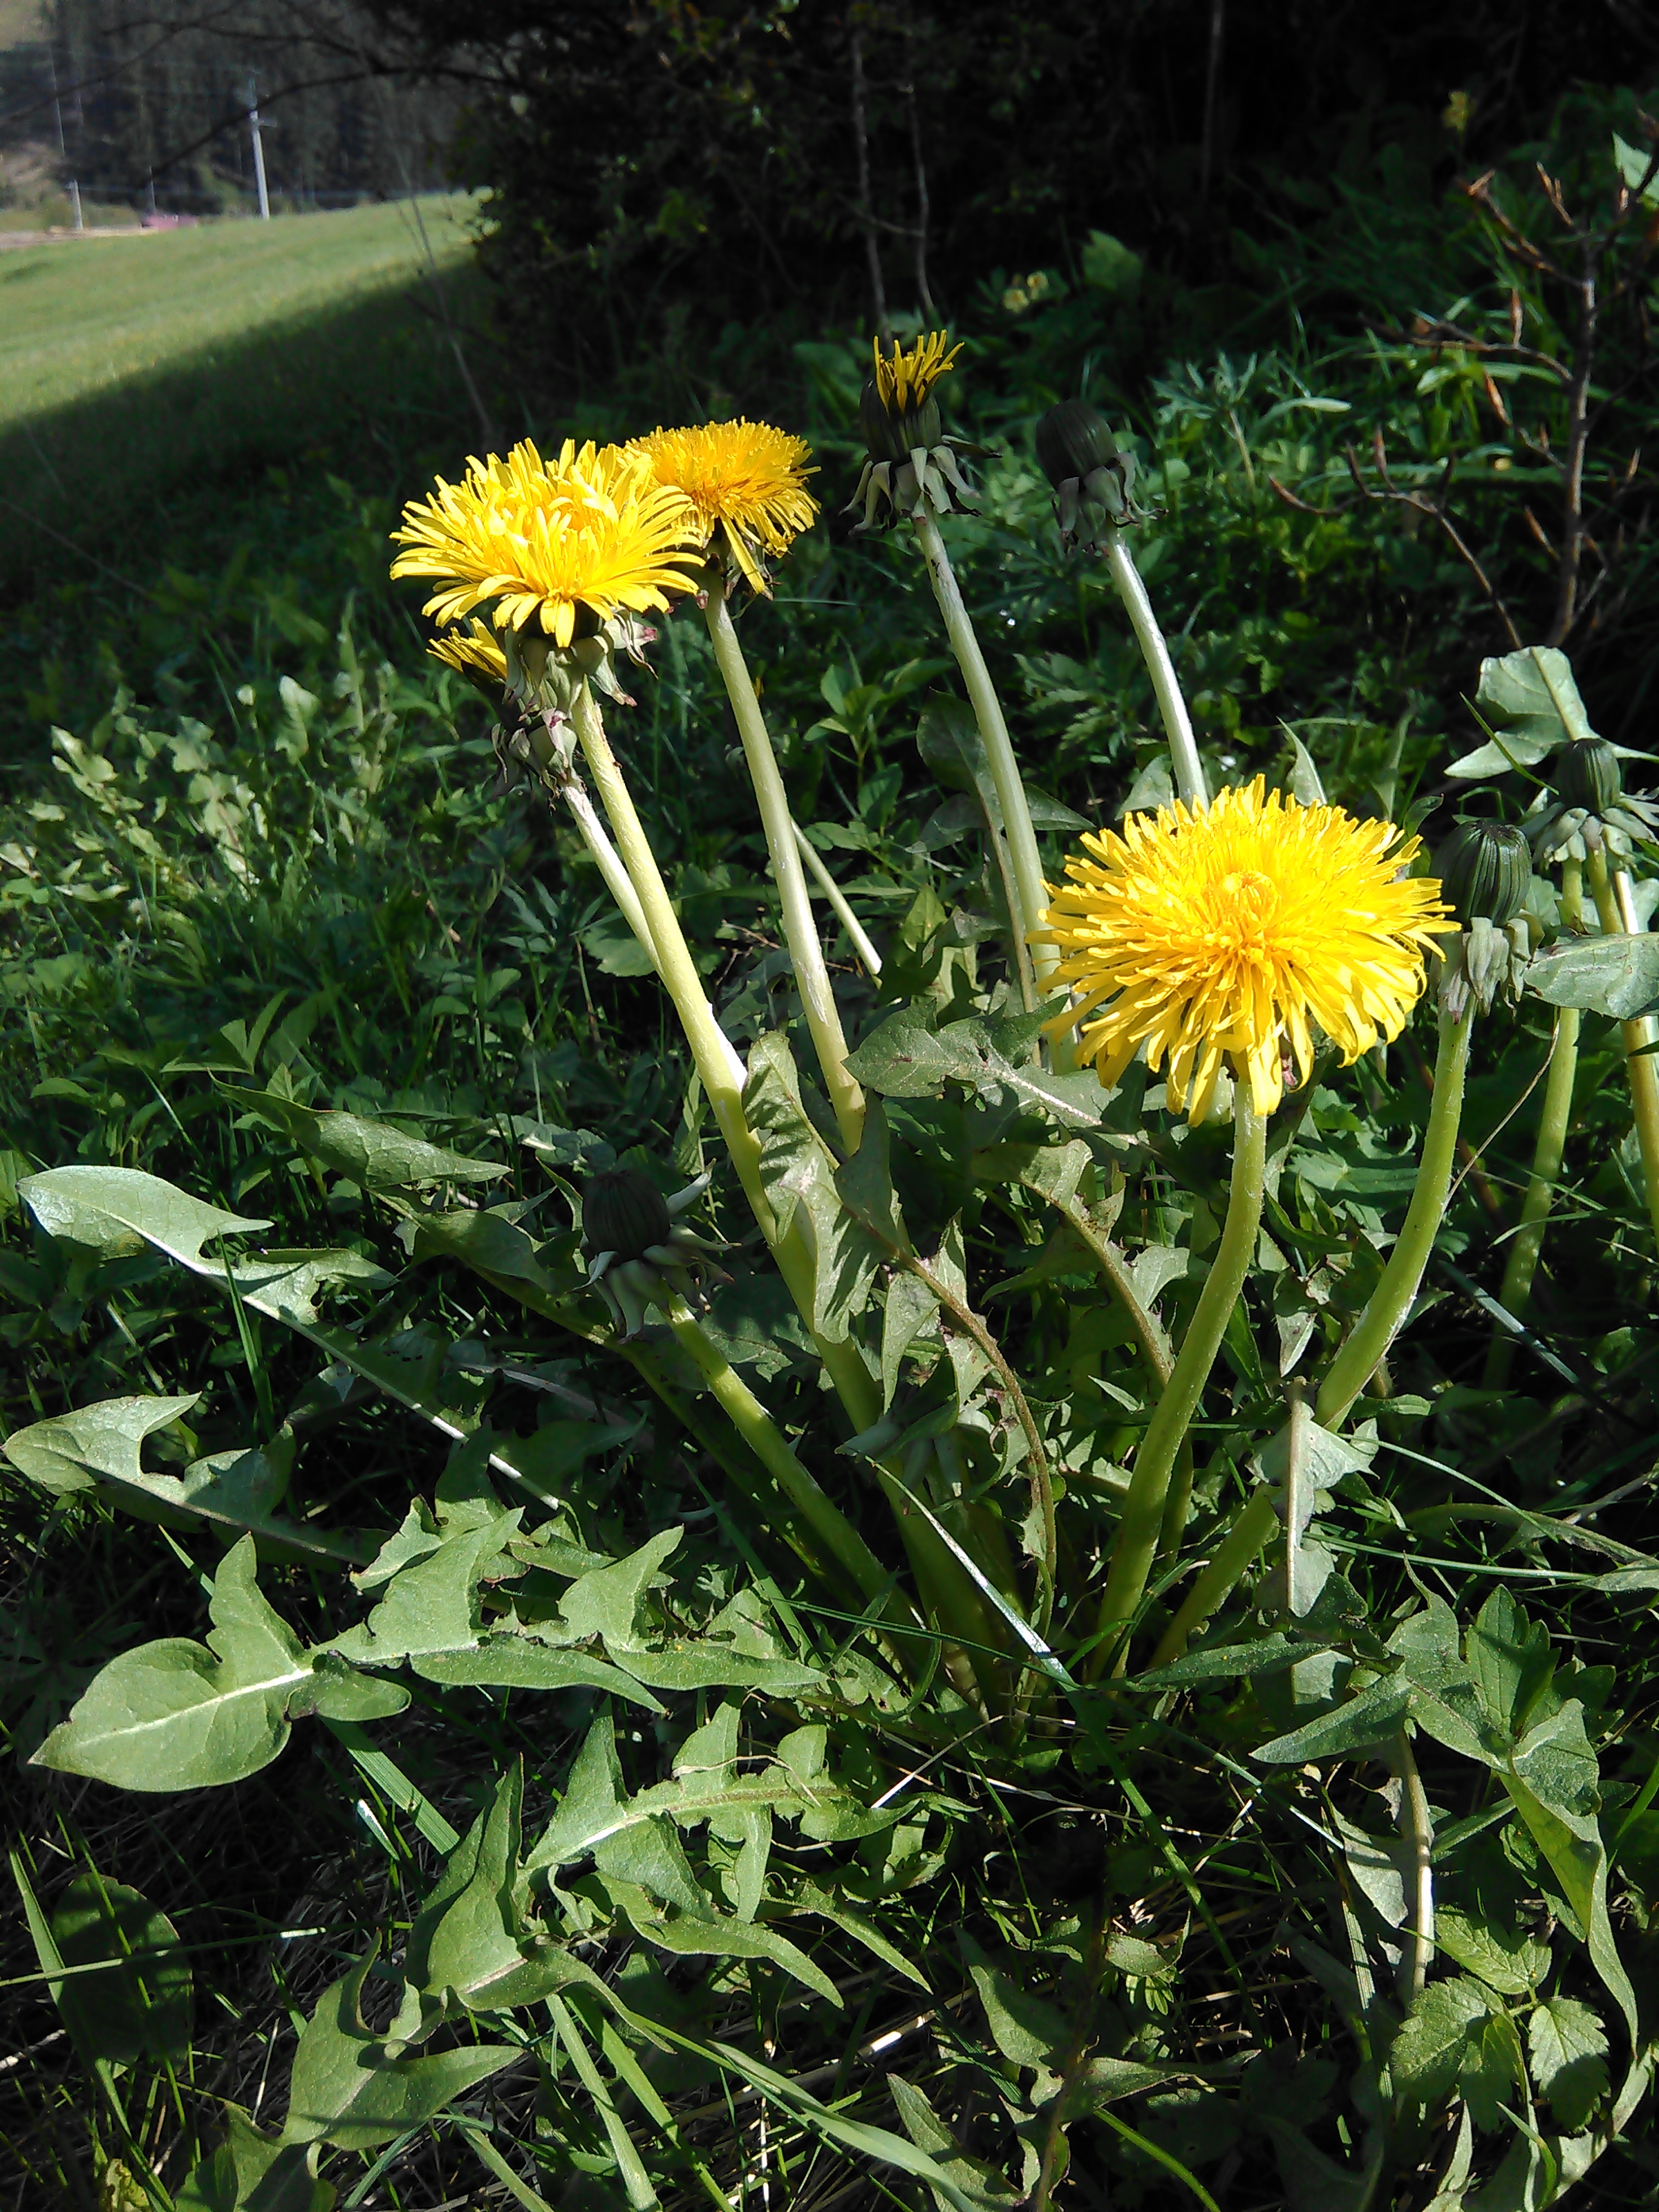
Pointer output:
473, 651
745, 480
1228, 932
562, 545
905, 379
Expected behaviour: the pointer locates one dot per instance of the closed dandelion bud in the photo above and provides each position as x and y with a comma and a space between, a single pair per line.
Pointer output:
1485, 869
894, 428
1073, 440
623, 1213
1587, 775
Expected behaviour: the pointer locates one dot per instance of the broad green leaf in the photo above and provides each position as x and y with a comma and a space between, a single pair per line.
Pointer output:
1444, 1697
95, 1443
929, 2133
1259, 1655
1306, 788
1427, 2054
116, 1208
358, 2090
139, 2004
375, 1154
1509, 1656
1613, 976
1567, 2047
1367, 1719
100, 1447
798, 1172
465, 1943
1636, 167
809, 1898
506, 1659
1512, 1965
1553, 1779
904, 1058
706, 1934
1530, 698
908, 1309
1024, 2026
594, 1819
174, 1714
252, 2172
607, 1602
433, 1604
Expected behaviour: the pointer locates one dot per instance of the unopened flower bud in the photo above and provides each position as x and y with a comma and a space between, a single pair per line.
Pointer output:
623, 1213
893, 431
1586, 774
1485, 868
1073, 440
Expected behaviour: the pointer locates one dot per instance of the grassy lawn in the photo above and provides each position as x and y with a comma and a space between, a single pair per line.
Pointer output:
80, 317
181, 416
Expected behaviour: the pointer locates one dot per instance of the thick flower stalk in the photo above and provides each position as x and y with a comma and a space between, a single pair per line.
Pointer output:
1215, 941
1229, 933
912, 470
747, 485
1613, 909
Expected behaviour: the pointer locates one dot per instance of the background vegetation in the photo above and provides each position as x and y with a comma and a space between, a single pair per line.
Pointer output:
252, 841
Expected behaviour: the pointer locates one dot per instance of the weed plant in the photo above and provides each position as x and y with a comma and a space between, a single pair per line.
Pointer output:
628, 1850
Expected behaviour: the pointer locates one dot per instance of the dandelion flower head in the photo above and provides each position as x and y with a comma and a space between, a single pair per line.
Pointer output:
904, 378
744, 479
1226, 933
564, 545
472, 650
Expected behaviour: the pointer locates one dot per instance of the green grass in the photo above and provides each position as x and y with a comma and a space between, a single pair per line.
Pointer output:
182, 415
83, 317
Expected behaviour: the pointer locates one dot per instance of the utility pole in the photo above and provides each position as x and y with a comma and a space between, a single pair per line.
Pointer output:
63, 146
259, 150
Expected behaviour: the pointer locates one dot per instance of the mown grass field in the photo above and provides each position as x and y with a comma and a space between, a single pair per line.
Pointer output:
81, 317
167, 399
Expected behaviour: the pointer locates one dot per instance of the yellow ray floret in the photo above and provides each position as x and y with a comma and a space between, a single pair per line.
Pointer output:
472, 650
904, 378
1229, 933
744, 478
544, 541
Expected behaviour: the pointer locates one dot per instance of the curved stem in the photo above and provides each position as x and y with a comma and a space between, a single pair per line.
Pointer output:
1523, 1262
1177, 724
1641, 1063
857, 935
1030, 892
800, 931
1143, 1509
710, 1048
1368, 1340
1253, 1525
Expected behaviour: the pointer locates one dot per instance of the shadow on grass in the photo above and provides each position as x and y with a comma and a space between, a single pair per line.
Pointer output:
111, 504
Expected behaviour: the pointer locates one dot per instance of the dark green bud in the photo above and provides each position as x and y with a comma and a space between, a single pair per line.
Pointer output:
623, 1213
893, 433
1587, 775
1485, 869
1072, 440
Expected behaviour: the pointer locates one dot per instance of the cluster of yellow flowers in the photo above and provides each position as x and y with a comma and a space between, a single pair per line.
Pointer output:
566, 545
1207, 938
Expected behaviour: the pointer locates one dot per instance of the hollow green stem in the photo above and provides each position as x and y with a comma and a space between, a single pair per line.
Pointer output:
1154, 651
1641, 1062
800, 931
1417, 1828
711, 1048
617, 881
1142, 1524
857, 936
776, 1455
1253, 1525
1386, 1309
1031, 899
1528, 1241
